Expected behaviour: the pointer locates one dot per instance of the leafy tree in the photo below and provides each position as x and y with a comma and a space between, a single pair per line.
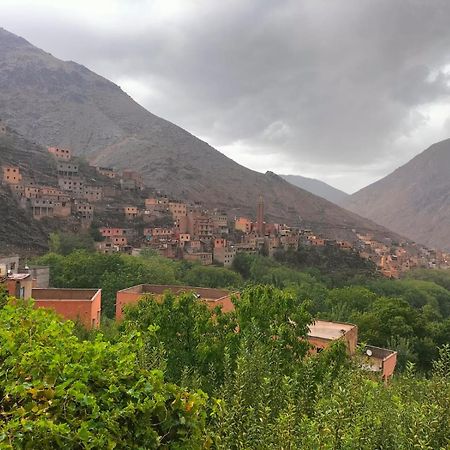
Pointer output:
193, 336
210, 276
60, 392
65, 243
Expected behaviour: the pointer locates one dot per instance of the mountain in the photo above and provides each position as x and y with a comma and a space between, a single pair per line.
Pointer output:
18, 230
317, 187
63, 103
414, 200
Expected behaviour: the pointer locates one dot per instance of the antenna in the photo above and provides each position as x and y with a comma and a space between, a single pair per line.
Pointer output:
369, 352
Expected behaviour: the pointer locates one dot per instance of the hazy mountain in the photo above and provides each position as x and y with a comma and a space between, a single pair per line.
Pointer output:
414, 200
63, 103
317, 187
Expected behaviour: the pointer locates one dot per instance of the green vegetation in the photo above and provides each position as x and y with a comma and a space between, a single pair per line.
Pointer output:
60, 392
411, 315
175, 374
83, 269
66, 243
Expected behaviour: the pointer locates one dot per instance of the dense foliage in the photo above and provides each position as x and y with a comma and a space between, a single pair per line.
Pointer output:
175, 374
83, 269
60, 392
411, 315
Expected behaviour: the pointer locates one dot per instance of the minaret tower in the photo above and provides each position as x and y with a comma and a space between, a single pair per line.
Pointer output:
260, 216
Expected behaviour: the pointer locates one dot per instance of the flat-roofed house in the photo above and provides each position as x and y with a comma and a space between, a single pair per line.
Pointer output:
322, 334
18, 285
60, 153
380, 360
212, 297
11, 175
83, 305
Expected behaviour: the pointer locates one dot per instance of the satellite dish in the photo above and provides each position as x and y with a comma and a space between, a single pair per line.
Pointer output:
369, 352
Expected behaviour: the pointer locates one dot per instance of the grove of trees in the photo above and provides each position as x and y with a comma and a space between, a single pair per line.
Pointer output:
175, 374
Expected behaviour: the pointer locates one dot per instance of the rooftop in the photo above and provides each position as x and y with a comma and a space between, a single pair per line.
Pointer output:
208, 294
329, 330
64, 294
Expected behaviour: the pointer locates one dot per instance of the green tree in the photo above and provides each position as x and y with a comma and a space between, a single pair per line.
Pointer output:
59, 392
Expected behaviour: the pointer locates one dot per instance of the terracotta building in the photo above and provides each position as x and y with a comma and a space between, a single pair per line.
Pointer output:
380, 360
32, 191
18, 285
178, 209
212, 297
108, 232
83, 305
131, 212
11, 175
60, 153
243, 224
322, 333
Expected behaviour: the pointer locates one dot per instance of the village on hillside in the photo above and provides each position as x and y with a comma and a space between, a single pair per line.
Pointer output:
174, 228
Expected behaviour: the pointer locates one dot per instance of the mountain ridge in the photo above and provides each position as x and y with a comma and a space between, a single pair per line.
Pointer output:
414, 199
63, 103
317, 187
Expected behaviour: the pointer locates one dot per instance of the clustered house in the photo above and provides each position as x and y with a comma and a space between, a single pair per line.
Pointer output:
174, 228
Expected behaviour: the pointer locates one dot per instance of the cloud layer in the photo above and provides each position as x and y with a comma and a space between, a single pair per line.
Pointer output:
344, 90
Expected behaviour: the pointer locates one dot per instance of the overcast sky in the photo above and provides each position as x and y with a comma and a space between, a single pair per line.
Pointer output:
341, 90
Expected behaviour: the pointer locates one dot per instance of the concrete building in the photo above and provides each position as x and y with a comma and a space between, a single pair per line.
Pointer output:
85, 212
73, 185
204, 258
83, 305
380, 360
41, 208
212, 297
9, 264
60, 153
224, 255
40, 276
93, 193
18, 285
322, 334
67, 169
106, 172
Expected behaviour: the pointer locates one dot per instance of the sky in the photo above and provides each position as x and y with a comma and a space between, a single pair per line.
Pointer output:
343, 90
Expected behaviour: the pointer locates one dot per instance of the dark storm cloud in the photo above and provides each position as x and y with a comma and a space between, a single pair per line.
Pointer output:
306, 84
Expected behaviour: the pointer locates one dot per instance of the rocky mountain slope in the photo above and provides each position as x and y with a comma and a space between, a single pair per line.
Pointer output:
18, 230
414, 200
63, 103
317, 187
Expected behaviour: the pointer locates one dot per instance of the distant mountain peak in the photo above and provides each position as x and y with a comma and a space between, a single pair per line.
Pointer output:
414, 200
317, 187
